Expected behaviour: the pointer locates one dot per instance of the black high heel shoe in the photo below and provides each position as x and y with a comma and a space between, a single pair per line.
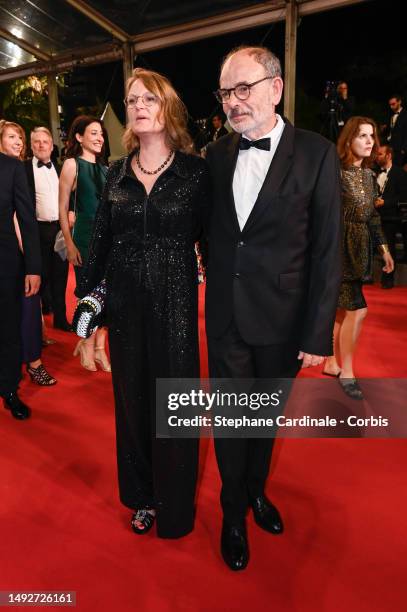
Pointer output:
351, 388
144, 517
40, 376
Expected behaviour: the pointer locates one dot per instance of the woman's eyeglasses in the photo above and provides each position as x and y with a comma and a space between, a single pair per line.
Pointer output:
148, 100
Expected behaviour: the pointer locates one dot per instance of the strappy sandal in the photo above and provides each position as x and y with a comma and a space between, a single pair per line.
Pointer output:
40, 376
145, 518
86, 362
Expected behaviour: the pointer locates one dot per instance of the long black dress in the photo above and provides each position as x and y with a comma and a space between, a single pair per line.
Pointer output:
144, 247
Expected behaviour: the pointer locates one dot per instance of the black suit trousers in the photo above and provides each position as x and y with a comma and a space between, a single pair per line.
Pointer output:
244, 462
54, 271
11, 292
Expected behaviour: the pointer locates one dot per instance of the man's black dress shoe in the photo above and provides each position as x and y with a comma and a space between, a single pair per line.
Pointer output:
266, 515
63, 325
234, 547
18, 409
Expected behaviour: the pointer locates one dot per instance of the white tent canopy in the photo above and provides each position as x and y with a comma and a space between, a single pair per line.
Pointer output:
115, 132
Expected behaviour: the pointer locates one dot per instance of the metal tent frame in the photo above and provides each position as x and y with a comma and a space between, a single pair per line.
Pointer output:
32, 50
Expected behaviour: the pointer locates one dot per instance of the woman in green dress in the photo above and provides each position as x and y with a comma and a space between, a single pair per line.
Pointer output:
81, 185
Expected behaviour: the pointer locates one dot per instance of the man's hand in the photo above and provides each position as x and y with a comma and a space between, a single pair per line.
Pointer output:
32, 284
310, 360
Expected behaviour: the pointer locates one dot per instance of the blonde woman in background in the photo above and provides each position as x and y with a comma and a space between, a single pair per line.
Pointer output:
13, 143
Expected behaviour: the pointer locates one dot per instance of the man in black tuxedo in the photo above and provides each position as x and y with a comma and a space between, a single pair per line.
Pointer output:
43, 183
19, 274
274, 267
397, 131
392, 187
218, 128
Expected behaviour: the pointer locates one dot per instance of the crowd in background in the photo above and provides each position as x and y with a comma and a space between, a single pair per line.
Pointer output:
275, 291
64, 198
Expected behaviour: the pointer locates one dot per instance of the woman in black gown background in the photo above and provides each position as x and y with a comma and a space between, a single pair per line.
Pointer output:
153, 210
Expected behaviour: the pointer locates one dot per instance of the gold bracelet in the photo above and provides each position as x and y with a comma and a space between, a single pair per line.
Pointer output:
383, 248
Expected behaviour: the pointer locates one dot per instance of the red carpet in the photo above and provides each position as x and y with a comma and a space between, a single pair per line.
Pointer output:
343, 502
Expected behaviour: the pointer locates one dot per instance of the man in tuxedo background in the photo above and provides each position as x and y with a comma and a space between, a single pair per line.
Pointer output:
346, 103
397, 131
19, 275
43, 182
392, 187
274, 267
218, 128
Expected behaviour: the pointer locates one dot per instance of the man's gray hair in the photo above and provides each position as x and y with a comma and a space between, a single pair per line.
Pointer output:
41, 128
262, 55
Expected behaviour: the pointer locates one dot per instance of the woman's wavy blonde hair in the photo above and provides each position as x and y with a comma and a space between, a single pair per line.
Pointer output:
15, 126
173, 112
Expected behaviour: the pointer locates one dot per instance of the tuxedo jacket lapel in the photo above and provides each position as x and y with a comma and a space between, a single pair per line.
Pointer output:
228, 169
277, 171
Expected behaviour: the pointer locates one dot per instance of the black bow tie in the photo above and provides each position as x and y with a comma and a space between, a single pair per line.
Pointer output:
40, 164
263, 144
382, 171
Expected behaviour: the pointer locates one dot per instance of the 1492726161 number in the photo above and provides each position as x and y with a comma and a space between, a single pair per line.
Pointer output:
32, 598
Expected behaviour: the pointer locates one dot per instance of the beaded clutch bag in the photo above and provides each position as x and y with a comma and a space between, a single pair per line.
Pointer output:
89, 311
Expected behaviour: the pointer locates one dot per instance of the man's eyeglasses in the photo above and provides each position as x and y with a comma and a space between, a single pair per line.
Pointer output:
241, 91
148, 100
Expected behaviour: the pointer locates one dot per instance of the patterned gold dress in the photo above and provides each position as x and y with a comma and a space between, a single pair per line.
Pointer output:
362, 234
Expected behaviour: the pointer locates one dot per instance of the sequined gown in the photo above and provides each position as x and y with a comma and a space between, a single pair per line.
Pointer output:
362, 233
144, 247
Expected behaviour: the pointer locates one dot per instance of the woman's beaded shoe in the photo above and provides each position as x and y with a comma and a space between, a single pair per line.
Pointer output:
144, 517
40, 376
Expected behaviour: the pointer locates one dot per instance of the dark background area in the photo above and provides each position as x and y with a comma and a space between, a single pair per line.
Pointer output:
362, 44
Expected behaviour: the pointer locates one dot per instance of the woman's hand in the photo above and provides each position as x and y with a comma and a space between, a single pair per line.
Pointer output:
71, 219
73, 255
389, 263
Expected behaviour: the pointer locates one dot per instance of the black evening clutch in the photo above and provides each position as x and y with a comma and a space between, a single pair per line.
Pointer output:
89, 311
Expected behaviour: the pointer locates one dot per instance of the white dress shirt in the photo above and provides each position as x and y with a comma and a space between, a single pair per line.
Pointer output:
251, 169
46, 192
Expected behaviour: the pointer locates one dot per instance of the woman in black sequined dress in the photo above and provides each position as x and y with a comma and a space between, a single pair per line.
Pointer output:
357, 146
152, 213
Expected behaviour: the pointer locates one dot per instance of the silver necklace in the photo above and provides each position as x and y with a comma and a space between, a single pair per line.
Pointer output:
152, 171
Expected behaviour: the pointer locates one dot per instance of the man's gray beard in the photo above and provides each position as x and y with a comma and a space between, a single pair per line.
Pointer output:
239, 128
